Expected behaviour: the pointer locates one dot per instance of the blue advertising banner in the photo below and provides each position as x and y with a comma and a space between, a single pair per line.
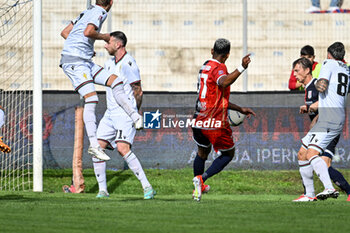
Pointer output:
270, 140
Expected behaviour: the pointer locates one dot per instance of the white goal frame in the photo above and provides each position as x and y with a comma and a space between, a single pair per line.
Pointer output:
37, 98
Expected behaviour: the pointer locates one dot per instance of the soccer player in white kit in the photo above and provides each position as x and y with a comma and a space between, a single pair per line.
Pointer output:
115, 129
3, 147
76, 63
333, 87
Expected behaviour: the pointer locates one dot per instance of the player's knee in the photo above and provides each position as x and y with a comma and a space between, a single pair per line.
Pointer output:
203, 156
311, 153
123, 148
203, 152
302, 154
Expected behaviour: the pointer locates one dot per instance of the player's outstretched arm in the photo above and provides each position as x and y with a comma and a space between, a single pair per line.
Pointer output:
245, 111
65, 32
91, 32
232, 77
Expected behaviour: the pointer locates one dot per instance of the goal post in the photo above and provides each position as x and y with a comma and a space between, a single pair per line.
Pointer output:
21, 95
37, 98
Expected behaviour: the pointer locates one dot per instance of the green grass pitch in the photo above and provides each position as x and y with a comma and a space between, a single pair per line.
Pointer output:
239, 201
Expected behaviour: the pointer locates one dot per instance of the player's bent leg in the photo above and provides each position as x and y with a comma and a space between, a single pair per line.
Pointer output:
135, 166
103, 77
338, 178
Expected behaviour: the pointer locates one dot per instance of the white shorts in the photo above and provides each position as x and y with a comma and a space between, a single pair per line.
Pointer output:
319, 137
116, 128
84, 74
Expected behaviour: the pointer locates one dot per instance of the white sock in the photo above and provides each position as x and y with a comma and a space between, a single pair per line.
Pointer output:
321, 169
100, 173
307, 174
135, 166
90, 119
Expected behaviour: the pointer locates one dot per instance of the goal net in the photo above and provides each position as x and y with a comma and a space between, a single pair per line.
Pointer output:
16, 93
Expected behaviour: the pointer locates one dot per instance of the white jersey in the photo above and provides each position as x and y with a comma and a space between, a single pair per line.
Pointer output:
127, 71
78, 45
332, 102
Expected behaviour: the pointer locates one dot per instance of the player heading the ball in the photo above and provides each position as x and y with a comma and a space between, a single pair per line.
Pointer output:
76, 63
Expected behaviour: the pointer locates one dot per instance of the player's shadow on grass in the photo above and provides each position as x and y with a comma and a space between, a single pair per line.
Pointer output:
114, 180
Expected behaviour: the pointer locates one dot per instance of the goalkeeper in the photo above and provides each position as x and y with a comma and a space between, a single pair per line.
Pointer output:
3, 147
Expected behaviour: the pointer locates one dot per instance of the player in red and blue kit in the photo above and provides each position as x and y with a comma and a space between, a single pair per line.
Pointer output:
211, 126
311, 108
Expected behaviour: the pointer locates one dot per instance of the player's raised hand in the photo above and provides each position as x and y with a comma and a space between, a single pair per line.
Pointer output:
246, 61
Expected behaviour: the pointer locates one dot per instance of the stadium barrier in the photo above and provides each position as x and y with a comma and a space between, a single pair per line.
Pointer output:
269, 141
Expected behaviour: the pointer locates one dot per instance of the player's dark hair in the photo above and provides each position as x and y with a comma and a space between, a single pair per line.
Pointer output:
304, 62
307, 50
120, 36
337, 50
222, 46
103, 2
